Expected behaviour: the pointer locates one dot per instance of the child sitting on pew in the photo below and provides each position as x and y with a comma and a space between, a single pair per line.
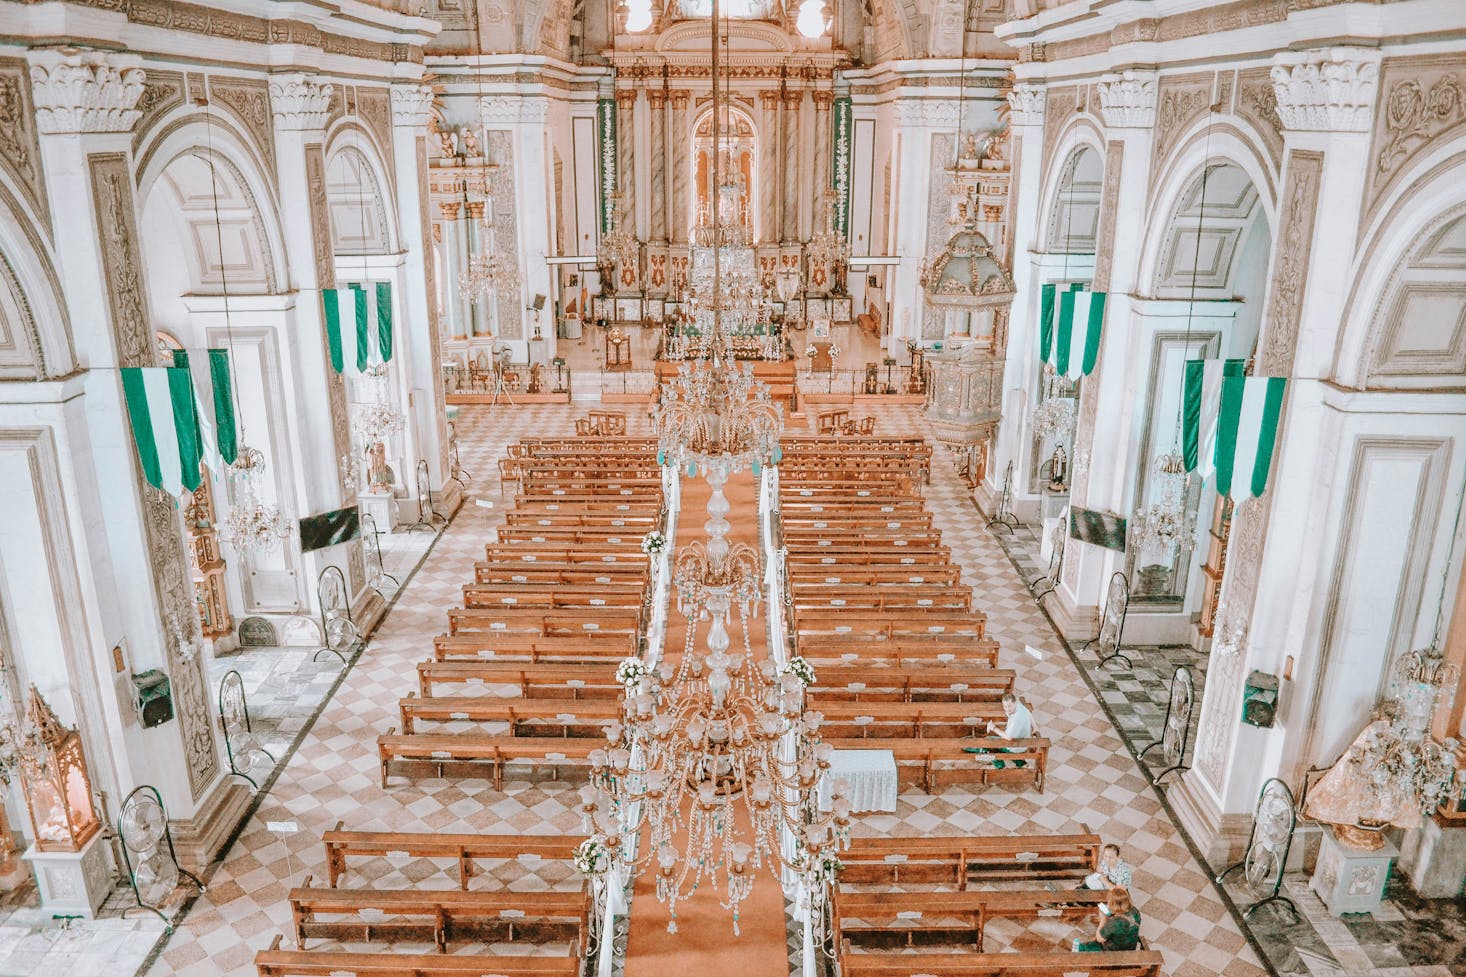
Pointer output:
1119, 927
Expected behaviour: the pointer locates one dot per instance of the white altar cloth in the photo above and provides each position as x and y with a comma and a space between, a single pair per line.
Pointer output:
869, 777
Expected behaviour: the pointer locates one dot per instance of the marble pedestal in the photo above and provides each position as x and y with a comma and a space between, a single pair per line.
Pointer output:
72, 883
1434, 857
382, 507
1349, 880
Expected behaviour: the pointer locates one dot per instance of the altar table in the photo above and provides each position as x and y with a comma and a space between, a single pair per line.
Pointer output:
869, 777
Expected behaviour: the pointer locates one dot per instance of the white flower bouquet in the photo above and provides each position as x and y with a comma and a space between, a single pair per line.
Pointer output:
591, 857
801, 669
810, 351
631, 671
653, 543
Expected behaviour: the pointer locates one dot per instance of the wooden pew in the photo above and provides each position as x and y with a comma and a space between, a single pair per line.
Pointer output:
563, 621
1139, 963
848, 720
590, 715
883, 599
949, 683
931, 763
464, 849
498, 646
544, 681
948, 574
960, 859
944, 917
942, 621
550, 571
492, 595
643, 522
479, 748
561, 536
275, 962
442, 915
852, 649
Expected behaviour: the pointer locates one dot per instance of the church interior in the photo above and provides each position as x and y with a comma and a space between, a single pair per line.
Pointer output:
746, 488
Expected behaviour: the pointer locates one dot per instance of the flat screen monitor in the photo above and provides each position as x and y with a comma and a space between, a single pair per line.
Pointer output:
329, 528
1097, 528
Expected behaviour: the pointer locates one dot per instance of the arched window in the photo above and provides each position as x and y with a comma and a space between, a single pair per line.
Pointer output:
738, 144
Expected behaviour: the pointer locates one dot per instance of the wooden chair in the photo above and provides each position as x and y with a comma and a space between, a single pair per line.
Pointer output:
508, 473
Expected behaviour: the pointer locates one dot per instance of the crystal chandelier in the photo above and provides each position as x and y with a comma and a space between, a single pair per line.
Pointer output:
376, 418
1165, 524
827, 246
714, 413
252, 525
488, 274
619, 247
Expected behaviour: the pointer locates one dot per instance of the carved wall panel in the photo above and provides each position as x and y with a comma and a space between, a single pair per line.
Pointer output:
315, 174
121, 260
248, 99
506, 233
1257, 102
1422, 99
1060, 104
1180, 100
1105, 236
933, 319
435, 335
162, 93
374, 107
1290, 267
20, 153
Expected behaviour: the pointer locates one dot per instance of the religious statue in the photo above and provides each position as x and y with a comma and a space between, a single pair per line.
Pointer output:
447, 142
970, 151
379, 473
1059, 469
536, 379
470, 143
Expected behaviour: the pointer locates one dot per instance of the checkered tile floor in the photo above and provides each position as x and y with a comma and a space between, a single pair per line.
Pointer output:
333, 775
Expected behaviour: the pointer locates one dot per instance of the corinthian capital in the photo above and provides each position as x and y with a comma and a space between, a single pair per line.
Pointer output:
86, 91
299, 101
412, 105
1128, 100
1026, 105
1327, 91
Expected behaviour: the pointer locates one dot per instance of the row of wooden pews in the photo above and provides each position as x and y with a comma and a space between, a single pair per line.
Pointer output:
902, 661
525, 673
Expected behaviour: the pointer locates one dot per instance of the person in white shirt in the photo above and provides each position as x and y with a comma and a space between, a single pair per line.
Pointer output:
1018, 727
1112, 871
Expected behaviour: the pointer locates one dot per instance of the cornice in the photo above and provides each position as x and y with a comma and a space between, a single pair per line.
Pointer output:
1128, 100
1026, 105
299, 102
1327, 91
412, 105
85, 91
513, 108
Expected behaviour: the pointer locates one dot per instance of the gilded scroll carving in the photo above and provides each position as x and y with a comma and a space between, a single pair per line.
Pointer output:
162, 93
1421, 100
1182, 99
1290, 271
117, 231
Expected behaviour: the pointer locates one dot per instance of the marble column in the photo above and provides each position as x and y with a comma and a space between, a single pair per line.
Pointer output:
789, 224
135, 578
658, 204
681, 139
626, 153
770, 177
420, 340
822, 142
460, 322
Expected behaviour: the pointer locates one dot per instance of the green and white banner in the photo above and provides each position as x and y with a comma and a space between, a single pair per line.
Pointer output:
842, 120
165, 426
209, 370
606, 136
358, 325
1071, 320
1239, 416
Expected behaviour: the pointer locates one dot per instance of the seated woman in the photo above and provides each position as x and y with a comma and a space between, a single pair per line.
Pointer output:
1119, 930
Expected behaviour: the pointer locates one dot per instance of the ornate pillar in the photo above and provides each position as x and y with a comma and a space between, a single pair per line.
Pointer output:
681, 144
458, 313
770, 175
85, 110
626, 152
789, 225
658, 204
1326, 101
822, 141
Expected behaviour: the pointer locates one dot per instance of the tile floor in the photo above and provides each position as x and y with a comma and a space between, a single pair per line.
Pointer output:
332, 775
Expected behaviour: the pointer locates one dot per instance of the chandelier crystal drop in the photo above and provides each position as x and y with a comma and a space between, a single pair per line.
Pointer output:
618, 247
251, 525
827, 246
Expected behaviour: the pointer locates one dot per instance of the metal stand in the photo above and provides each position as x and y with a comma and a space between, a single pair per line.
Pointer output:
427, 516
1049, 582
1273, 821
1003, 514
456, 471
1176, 733
239, 741
501, 364
142, 826
371, 542
338, 630
1112, 622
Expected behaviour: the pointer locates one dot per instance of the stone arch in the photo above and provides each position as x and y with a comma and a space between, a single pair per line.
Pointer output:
1072, 203
358, 194
1404, 323
35, 331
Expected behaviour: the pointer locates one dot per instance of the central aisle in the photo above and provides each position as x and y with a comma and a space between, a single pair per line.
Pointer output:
704, 943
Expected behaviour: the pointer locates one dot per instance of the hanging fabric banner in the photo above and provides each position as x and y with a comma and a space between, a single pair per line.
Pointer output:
358, 326
215, 405
1202, 397
842, 119
165, 426
1069, 341
1238, 417
606, 135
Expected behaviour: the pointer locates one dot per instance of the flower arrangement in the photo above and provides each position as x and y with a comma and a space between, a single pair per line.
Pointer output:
801, 669
810, 351
591, 857
834, 352
631, 671
653, 543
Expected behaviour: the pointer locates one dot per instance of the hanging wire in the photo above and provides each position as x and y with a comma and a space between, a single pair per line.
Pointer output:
223, 266
1206, 169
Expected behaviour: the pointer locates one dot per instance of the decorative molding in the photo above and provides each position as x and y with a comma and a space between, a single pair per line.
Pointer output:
927, 112
315, 175
1417, 109
1257, 102
374, 108
86, 91
1180, 100
412, 105
510, 109
1128, 100
1026, 105
117, 231
1108, 213
299, 103
435, 334
20, 150
1326, 91
506, 230
1290, 270
248, 99
162, 93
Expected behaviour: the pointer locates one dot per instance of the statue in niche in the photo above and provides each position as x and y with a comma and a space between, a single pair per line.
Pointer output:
470, 143
997, 145
970, 152
379, 474
447, 143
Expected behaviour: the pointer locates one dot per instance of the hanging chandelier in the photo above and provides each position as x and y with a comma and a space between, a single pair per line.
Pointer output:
827, 246
376, 419
251, 525
1165, 524
619, 247
488, 274
715, 414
